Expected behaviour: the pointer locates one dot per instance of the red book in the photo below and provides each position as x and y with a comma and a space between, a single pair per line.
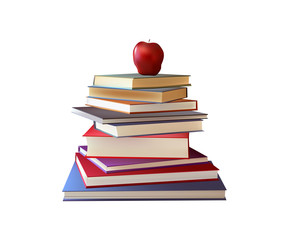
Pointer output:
93, 176
153, 146
93, 132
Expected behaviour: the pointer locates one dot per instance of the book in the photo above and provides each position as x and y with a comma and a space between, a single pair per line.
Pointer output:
149, 128
137, 81
75, 190
107, 116
142, 107
154, 146
146, 95
93, 176
117, 164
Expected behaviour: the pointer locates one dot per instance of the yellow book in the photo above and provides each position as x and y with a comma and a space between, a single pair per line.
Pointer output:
146, 95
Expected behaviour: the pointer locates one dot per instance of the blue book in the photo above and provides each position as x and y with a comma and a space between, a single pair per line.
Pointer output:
149, 128
75, 190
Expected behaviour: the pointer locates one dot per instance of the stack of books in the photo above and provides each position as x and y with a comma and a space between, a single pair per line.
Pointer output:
138, 145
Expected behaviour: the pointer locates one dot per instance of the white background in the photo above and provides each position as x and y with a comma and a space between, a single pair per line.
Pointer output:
235, 52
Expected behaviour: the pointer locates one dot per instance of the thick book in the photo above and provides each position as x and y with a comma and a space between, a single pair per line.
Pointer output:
145, 95
117, 164
137, 81
107, 116
75, 190
154, 146
93, 176
142, 107
149, 128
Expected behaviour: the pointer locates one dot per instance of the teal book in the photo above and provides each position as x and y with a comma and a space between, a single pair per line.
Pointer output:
138, 81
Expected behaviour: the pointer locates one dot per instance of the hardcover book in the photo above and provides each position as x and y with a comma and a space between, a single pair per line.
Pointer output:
153, 146
75, 190
149, 128
137, 81
93, 176
117, 164
106, 116
142, 107
146, 95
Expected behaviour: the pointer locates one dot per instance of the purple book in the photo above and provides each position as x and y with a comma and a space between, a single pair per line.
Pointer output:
116, 164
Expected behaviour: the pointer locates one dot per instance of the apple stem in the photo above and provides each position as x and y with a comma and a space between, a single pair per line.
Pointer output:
149, 40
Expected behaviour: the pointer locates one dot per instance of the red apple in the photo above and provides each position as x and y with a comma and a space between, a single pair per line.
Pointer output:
148, 58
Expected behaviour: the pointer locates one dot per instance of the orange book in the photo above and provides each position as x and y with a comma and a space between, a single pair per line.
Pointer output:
142, 107
154, 95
